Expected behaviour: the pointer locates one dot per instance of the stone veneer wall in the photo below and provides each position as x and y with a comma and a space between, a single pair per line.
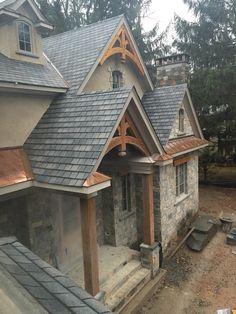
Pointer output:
116, 226
139, 204
175, 133
172, 74
176, 213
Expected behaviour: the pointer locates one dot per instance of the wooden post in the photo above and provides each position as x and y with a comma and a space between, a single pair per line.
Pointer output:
89, 240
149, 236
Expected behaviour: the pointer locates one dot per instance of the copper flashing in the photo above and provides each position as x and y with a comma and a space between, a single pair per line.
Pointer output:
95, 178
184, 144
14, 166
163, 157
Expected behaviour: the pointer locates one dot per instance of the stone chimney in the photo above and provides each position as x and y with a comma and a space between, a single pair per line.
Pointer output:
173, 70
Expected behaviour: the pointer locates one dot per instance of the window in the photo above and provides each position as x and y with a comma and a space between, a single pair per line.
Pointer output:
181, 120
181, 179
24, 37
126, 193
117, 79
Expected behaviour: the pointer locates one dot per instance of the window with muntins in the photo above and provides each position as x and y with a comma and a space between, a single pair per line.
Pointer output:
24, 37
117, 79
181, 120
181, 179
126, 193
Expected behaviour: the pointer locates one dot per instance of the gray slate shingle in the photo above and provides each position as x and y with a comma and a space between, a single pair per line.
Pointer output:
59, 294
75, 52
13, 71
161, 106
68, 140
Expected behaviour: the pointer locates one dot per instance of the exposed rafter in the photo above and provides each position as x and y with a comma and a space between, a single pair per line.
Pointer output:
127, 134
122, 44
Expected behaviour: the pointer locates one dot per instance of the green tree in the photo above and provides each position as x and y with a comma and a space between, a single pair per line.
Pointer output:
211, 43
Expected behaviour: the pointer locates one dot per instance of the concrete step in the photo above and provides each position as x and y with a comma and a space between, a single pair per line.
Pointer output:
121, 296
132, 256
120, 277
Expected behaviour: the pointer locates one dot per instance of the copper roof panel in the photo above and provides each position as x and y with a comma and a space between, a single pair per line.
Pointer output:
14, 167
183, 144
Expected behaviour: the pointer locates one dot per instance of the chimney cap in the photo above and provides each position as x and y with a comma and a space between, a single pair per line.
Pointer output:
174, 59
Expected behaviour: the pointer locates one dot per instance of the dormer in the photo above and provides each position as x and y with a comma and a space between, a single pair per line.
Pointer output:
21, 28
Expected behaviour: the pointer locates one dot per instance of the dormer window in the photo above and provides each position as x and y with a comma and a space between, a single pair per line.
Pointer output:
181, 120
117, 79
24, 37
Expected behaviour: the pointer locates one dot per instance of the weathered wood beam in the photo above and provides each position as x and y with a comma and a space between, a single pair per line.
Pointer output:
149, 235
89, 241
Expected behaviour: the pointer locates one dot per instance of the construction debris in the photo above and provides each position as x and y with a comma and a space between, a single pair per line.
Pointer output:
231, 237
224, 311
227, 222
205, 228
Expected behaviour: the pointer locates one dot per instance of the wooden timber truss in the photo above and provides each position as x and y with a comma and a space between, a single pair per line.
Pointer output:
127, 133
123, 46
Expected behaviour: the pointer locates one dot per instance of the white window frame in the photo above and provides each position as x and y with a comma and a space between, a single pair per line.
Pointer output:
30, 36
181, 179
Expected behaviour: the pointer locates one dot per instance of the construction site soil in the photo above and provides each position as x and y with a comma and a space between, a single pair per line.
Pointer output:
200, 283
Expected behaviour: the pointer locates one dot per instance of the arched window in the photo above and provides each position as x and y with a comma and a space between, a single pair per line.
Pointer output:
24, 37
181, 120
117, 79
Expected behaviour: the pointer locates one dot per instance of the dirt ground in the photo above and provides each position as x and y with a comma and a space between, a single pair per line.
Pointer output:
201, 283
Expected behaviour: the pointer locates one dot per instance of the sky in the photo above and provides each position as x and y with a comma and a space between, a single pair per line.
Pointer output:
163, 12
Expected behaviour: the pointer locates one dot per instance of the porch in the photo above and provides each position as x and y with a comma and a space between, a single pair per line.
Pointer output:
121, 275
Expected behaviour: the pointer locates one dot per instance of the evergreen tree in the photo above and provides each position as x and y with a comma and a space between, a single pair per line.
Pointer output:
211, 43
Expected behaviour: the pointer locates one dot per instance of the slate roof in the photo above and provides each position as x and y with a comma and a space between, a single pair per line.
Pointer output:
75, 52
161, 106
14, 71
68, 140
57, 293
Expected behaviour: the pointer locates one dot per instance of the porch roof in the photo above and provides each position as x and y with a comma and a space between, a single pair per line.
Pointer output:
51, 289
69, 139
162, 105
15, 167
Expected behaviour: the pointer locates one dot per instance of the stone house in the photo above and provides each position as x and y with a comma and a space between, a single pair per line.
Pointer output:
96, 165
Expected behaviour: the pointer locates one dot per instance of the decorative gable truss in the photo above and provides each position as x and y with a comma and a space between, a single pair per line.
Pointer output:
127, 133
122, 45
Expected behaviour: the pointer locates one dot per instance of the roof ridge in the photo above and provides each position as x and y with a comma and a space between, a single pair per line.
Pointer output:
84, 27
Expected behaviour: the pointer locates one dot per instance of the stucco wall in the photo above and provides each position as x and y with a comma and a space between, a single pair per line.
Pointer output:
19, 114
187, 126
101, 78
9, 43
176, 212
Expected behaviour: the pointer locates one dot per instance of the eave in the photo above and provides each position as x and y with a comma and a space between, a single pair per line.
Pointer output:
41, 26
8, 16
19, 87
